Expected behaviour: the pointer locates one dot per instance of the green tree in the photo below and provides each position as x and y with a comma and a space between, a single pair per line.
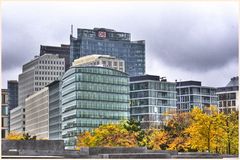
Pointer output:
134, 126
27, 136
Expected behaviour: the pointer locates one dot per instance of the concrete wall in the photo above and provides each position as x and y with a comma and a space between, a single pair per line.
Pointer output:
105, 150
32, 147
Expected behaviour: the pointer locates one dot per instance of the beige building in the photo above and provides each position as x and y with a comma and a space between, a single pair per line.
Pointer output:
228, 96
36, 114
100, 60
17, 121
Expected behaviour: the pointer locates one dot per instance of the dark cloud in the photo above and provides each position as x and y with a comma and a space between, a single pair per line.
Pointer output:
193, 38
190, 37
18, 46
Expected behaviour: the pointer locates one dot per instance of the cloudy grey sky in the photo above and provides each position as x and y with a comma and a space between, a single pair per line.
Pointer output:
184, 40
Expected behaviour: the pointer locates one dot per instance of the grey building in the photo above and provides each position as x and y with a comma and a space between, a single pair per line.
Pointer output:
55, 111
38, 73
63, 51
4, 116
91, 96
228, 96
109, 42
192, 94
153, 100
35, 75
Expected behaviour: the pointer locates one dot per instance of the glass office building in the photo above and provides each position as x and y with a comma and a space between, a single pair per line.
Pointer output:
109, 42
55, 111
92, 96
192, 94
153, 100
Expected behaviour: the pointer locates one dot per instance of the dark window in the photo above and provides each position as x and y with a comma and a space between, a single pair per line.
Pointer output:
229, 103
3, 133
224, 103
2, 122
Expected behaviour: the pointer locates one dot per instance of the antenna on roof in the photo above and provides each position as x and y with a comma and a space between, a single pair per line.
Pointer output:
71, 29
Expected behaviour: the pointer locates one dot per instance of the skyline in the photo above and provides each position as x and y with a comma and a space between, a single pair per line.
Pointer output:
206, 36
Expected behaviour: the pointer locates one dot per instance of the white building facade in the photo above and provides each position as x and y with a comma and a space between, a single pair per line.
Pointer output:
101, 60
17, 119
37, 114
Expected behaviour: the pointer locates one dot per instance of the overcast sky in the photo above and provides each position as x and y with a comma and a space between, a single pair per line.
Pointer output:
184, 40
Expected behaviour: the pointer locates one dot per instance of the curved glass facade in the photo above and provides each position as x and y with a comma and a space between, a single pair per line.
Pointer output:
92, 96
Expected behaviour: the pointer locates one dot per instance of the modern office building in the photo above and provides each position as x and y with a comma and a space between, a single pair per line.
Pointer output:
55, 111
153, 100
4, 104
63, 51
228, 96
12, 86
109, 42
38, 73
192, 94
37, 114
17, 119
100, 60
91, 96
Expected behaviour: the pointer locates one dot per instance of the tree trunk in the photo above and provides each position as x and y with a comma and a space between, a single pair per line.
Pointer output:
229, 148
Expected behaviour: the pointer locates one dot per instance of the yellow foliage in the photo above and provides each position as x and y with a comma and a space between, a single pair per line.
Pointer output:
14, 136
156, 139
208, 130
179, 144
111, 135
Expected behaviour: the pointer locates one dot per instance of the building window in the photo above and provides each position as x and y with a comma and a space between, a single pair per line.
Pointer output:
229, 103
220, 104
224, 103
233, 103
3, 133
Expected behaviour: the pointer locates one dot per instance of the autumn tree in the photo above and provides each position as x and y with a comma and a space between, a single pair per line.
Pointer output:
230, 126
14, 136
178, 139
108, 135
205, 129
20, 136
156, 139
